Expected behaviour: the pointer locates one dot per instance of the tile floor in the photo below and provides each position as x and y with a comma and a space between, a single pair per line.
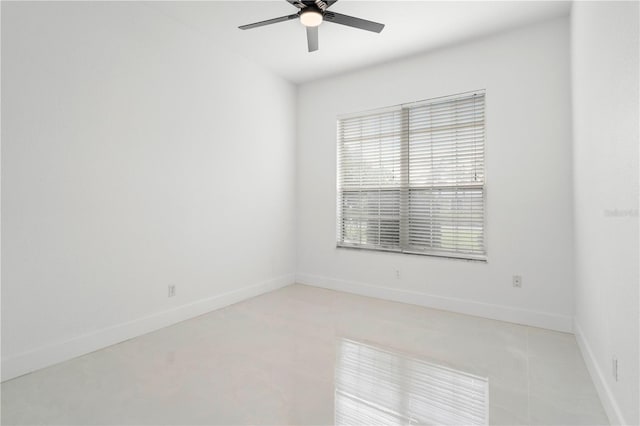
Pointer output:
291, 356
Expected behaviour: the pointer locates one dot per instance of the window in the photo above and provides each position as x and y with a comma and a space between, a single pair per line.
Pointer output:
411, 178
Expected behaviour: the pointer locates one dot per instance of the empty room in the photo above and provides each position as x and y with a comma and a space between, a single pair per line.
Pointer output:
320, 212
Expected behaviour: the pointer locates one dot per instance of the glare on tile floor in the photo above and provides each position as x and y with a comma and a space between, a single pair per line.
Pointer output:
380, 386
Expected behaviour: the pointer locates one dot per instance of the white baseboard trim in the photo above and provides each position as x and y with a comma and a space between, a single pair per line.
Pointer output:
604, 392
58, 352
546, 320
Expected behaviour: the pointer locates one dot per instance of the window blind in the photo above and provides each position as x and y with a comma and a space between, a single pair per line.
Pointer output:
411, 178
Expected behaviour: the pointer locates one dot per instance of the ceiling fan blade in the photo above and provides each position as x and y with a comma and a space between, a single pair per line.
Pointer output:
350, 21
297, 3
330, 2
268, 22
312, 38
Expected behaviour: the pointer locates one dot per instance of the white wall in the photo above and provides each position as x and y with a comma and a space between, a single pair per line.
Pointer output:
135, 154
606, 179
529, 191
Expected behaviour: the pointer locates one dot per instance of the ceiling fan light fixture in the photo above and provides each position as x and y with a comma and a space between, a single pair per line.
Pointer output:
311, 18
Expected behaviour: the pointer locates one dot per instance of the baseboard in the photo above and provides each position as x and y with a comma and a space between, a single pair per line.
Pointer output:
546, 320
52, 354
604, 392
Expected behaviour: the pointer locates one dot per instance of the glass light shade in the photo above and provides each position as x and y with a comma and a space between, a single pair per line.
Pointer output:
311, 18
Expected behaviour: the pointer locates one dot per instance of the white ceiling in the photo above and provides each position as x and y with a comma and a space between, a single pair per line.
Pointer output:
411, 27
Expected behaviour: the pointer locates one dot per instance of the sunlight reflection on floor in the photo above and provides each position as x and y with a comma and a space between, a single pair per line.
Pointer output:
379, 386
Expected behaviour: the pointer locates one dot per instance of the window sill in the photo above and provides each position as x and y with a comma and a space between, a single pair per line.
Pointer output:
414, 253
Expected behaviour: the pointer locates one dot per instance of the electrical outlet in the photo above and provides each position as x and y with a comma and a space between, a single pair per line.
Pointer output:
172, 290
397, 274
517, 281
614, 368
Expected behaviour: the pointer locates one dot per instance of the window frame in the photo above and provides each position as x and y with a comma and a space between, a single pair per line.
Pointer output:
403, 248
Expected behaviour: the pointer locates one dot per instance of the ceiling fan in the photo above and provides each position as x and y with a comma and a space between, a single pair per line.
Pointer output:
312, 13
